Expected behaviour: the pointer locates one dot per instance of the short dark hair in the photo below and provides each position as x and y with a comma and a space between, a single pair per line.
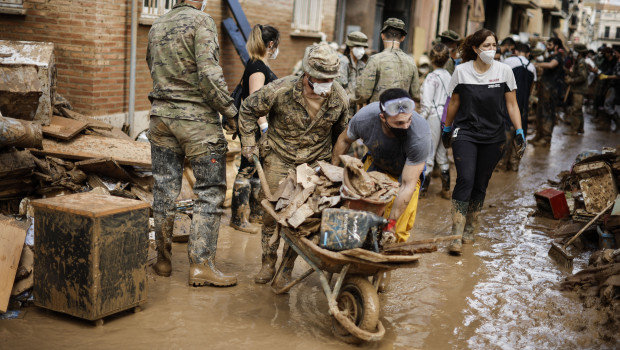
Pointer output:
392, 33
522, 47
508, 41
392, 94
556, 41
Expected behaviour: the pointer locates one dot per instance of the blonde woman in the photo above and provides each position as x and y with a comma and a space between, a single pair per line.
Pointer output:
262, 46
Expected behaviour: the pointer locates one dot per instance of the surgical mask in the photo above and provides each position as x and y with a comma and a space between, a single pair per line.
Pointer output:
508, 54
321, 89
539, 58
275, 53
204, 5
358, 52
575, 54
487, 56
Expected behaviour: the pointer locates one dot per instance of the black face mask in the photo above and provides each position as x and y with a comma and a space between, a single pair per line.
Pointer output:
399, 133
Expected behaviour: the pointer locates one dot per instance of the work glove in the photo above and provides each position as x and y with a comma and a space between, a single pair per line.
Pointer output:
230, 125
446, 136
603, 76
519, 143
249, 151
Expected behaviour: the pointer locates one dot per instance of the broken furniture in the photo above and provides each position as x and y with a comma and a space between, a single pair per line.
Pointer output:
90, 254
553, 202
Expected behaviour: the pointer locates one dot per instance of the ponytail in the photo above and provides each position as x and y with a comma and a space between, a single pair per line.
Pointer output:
259, 38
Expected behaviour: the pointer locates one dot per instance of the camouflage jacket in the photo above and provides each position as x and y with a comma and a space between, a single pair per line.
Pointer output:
349, 74
449, 66
391, 68
292, 134
579, 77
183, 57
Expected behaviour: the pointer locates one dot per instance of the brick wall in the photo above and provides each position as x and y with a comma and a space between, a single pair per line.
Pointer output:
92, 45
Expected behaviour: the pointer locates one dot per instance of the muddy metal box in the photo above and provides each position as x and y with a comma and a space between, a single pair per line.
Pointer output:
90, 254
552, 201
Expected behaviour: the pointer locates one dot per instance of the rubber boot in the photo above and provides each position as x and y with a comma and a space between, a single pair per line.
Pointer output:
256, 209
287, 271
472, 221
267, 270
167, 173
208, 274
445, 184
425, 185
459, 211
210, 189
239, 206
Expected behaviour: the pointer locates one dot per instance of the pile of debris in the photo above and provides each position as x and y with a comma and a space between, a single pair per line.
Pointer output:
301, 197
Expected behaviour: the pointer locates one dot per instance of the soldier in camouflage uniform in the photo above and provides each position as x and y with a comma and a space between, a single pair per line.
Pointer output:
577, 79
306, 114
188, 92
451, 39
351, 65
391, 68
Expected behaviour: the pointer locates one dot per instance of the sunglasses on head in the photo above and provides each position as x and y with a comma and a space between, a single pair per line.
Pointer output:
400, 105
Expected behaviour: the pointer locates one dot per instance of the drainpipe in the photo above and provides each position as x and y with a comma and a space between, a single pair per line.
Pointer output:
132, 68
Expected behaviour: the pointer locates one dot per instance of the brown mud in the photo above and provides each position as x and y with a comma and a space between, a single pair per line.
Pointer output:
502, 293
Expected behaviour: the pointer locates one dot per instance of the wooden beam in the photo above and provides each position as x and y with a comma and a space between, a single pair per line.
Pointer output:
237, 39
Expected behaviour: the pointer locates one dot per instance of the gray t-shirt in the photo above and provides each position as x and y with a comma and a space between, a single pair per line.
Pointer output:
389, 153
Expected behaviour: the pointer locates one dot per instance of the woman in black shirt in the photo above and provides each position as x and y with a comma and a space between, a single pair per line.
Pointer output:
262, 45
482, 97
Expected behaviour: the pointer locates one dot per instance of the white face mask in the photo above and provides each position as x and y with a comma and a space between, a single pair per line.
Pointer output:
275, 54
487, 56
321, 89
358, 52
575, 54
204, 5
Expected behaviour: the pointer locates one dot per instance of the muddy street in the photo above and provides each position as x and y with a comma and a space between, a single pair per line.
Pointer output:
502, 293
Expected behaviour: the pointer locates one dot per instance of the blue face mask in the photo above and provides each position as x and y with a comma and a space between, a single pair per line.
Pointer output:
458, 61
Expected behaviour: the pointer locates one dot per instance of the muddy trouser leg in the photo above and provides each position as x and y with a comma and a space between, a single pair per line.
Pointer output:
256, 209
210, 188
577, 113
275, 170
434, 123
504, 162
242, 191
474, 166
546, 105
167, 173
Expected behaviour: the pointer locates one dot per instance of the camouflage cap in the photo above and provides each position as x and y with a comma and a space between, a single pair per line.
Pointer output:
537, 52
394, 23
357, 39
321, 62
581, 48
450, 35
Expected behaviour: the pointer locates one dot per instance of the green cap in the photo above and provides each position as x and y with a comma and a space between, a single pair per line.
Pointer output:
357, 39
321, 62
394, 23
450, 35
581, 48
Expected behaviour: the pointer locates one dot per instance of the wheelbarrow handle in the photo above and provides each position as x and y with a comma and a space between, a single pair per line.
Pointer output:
261, 176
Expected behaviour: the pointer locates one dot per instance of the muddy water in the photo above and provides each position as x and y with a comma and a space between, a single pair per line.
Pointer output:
500, 294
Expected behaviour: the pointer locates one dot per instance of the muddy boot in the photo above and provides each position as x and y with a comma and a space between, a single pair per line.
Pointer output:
425, 185
445, 184
239, 206
256, 209
167, 170
287, 271
267, 270
471, 221
459, 211
208, 274
210, 188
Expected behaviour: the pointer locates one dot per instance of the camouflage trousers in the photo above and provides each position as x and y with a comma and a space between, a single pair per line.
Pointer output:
275, 171
545, 112
574, 113
169, 146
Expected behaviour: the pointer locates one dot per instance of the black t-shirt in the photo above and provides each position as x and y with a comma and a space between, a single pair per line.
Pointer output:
255, 66
554, 75
482, 110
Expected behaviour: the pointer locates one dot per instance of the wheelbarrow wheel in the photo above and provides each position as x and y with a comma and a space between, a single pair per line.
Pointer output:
359, 301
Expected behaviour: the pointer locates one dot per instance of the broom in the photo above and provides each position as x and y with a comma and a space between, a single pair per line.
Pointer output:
559, 253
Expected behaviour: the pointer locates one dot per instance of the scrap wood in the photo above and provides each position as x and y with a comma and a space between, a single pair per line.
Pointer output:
305, 175
12, 236
300, 215
286, 188
332, 172
367, 255
106, 167
355, 178
92, 123
269, 209
124, 152
142, 194
422, 241
64, 128
411, 250
16, 163
300, 197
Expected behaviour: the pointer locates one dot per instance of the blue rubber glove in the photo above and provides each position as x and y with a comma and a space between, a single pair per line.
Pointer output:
446, 136
519, 143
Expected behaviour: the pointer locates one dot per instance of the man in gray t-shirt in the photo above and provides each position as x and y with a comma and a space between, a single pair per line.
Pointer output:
398, 141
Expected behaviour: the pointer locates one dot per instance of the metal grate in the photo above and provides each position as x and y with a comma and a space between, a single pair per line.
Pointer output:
155, 8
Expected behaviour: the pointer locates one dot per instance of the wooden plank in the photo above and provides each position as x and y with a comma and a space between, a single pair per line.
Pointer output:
16, 163
12, 238
423, 241
332, 172
106, 167
230, 27
64, 128
92, 123
124, 152
242, 20
379, 258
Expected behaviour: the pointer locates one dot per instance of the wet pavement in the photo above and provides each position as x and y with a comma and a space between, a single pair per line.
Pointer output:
502, 293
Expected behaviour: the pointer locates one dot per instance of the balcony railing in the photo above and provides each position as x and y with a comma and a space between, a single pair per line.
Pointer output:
152, 9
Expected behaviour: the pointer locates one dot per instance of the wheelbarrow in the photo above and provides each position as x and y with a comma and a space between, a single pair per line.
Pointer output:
353, 300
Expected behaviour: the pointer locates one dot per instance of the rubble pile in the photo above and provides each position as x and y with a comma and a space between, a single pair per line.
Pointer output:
300, 198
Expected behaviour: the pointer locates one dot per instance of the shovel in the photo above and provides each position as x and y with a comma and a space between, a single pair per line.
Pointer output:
559, 253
